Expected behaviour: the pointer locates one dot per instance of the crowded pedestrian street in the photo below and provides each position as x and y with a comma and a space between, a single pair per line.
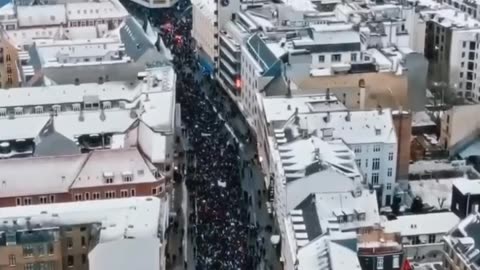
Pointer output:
220, 222
224, 218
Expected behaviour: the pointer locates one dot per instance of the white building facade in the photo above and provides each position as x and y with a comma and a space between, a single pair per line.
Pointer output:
204, 30
422, 235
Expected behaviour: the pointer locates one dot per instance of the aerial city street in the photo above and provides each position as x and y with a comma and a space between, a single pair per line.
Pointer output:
239, 135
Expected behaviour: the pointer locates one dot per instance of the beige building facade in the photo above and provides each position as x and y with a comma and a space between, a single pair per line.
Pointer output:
9, 73
459, 125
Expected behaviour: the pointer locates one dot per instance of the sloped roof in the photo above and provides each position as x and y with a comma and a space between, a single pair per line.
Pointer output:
135, 39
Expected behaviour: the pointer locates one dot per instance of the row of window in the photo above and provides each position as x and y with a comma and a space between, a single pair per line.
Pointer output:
40, 266
335, 58
376, 148
395, 262
375, 165
111, 194
93, 22
351, 218
30, 250
85, 196
126, 177
71, 260
41, 200
58, 108
70, 242
462, 7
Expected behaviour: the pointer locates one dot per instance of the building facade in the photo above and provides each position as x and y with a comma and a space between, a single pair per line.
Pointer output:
82, 177
71, 235
379, 250
9, 76
465, 198
422, 235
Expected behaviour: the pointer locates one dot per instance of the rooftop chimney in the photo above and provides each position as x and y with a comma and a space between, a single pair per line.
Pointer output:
289, 107
77, 81
379, 108
327, 96
100, 80
327, 117
348, 117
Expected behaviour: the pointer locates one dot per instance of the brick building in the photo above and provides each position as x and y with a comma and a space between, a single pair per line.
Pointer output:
101, 174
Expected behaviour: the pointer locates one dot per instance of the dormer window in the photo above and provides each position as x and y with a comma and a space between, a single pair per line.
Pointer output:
76, 107
56, 108
107, 105
18, 111
108, 177
3, 112
127, 176
38, 109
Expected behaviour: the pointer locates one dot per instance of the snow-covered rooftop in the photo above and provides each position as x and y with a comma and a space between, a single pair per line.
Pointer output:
52, 20
282, 108
428, 166
297, 156
94, 10
422, 224
326, 253
330, 34
449, 17
138, 253
471, 187
26, 36
136, 217
437, 193
301, 5
41, 15
153, 99
356, 127
73, 52
51, 175
128, 232
422, 119
333, 206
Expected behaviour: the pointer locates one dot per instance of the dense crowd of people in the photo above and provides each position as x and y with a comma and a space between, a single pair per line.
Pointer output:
220, 227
